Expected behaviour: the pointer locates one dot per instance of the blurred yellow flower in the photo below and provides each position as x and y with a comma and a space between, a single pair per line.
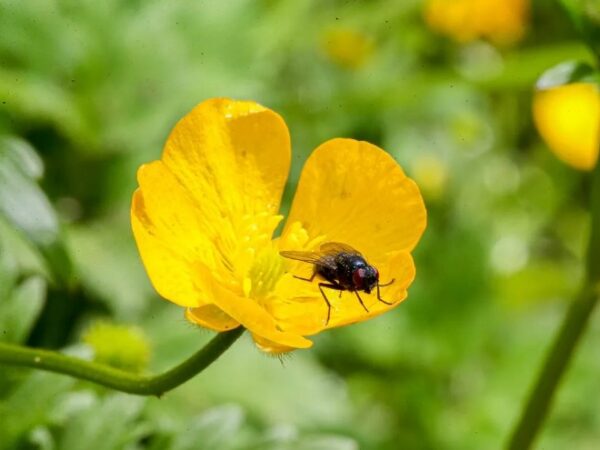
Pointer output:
568, 119
204, 217
501, 21
431, 173
347, 47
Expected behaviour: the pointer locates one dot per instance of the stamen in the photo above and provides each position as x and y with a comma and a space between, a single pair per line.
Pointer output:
267, 269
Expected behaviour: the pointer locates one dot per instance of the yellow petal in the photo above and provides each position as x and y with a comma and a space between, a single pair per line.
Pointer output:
249, 313
232, 157
568, 119
213, 198
210, 316
300, 307
271, 347
354, 192
169, 269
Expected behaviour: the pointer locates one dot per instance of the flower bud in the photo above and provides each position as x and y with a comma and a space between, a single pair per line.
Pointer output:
347, 47
501, 21
121, 346
566, 112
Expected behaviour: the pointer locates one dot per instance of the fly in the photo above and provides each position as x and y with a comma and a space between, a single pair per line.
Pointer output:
343, 268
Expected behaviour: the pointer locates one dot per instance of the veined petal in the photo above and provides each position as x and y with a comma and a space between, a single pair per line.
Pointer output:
271, 347
169, 269
213, 198
354, 192
233, 158
212, 317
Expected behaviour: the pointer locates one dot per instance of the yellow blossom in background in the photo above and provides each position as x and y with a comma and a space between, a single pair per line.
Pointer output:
205, 213
431, 173
347, 47
501, 21
568, 119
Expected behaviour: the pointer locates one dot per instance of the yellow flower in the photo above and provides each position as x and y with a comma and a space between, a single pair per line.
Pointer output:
501, 21
432, 175
568, 119
204, 217
347, 47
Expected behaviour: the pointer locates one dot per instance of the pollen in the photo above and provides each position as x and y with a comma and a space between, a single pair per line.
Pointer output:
266, 271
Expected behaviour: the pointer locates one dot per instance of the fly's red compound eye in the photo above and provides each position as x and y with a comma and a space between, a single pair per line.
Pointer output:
357, 277
376, 273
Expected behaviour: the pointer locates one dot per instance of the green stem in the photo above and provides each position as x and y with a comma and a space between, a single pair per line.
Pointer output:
115, 378
554, 367
565, 343
593, 255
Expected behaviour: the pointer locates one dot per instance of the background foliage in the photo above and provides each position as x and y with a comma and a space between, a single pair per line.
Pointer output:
89, 90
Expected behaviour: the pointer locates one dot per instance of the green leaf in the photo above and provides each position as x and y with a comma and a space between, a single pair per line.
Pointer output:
319, 443
25, 206
41, 438
567, 72
42, 100
24, 156
585, 15
20, 310
8, 272
104, 425
214, 429
29, 405
109, 266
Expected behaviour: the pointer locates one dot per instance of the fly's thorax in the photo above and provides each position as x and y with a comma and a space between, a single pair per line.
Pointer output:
347, 263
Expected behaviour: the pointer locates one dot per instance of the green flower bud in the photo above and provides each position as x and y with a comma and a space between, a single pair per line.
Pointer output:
121, 346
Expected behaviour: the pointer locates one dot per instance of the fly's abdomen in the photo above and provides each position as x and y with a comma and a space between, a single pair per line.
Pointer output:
326, 272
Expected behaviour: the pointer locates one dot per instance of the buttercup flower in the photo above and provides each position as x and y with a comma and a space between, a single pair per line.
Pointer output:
205, 213
568, 119
501, 21
348, 47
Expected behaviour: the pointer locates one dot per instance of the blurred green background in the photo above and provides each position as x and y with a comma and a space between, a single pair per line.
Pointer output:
89, 91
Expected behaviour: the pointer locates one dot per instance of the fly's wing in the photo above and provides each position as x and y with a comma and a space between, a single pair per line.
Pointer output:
317, 258
333, 248
325, 257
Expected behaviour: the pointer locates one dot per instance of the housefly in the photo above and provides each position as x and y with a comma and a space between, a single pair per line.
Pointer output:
343, 268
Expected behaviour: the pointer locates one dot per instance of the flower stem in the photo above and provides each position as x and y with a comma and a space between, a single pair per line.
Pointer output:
565, 343
118, 379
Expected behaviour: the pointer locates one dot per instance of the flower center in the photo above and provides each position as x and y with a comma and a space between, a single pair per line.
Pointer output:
265, 272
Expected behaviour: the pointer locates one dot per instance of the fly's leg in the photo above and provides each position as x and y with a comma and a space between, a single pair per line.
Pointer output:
337, 287
312, 277
388, 283
361, 301
379, 292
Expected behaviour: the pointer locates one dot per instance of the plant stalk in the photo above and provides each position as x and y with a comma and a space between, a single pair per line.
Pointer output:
117, 379
565, 344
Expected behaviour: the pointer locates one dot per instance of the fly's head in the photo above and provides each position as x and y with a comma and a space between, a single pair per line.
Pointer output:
365, 278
